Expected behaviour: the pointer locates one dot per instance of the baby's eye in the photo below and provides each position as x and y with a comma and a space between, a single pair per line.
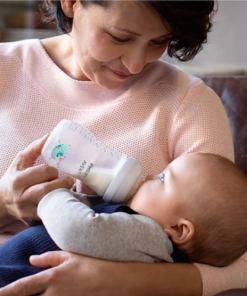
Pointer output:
162, 176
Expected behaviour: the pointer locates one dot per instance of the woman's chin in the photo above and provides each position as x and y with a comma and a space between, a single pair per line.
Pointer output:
109, 81
110, 85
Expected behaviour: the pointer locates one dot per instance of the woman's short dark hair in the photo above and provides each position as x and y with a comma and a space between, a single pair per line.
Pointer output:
189, 22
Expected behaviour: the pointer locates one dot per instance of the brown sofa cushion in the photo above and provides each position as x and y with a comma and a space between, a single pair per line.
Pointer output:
234, 292
233, 93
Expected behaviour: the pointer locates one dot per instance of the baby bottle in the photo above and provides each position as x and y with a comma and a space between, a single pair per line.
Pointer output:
74, 150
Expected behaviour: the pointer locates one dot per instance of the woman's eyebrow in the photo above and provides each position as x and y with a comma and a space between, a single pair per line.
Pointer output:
137, 34
128, 31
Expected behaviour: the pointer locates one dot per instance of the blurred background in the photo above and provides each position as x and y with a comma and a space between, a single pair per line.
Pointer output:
20, 20
225, 53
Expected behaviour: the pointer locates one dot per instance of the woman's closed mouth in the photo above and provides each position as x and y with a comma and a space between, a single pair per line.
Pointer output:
120, 75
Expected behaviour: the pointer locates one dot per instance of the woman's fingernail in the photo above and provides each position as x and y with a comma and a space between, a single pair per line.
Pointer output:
34, 256
45, 136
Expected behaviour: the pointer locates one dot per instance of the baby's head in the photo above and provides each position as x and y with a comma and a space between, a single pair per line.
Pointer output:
201, 205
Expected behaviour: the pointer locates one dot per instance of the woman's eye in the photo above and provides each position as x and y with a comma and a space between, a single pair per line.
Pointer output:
158, 43
119, 40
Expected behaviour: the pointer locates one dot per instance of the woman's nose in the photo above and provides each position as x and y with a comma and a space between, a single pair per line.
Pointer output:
135, 60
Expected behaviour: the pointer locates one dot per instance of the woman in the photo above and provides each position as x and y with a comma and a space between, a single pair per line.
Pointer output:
105, 75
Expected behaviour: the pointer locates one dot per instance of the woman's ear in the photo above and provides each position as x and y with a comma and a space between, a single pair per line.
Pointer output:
67, 7
182, 232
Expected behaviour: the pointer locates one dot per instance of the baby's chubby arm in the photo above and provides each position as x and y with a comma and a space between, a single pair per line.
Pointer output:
75, 227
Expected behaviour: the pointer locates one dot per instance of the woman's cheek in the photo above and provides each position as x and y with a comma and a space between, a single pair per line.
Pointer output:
155, 54
103, 50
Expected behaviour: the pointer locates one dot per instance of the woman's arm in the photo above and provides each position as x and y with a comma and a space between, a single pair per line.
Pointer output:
220, 279
76, 275
23, 186
75, 227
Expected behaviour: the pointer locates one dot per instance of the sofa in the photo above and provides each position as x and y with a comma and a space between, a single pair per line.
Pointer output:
233, 292
233, 94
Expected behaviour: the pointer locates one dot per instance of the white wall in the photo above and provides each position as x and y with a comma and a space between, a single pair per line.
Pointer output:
227, 46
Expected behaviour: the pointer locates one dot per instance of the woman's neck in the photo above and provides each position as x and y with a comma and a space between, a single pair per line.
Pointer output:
60, 50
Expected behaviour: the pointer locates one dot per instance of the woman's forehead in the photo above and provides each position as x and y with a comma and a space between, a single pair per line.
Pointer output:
132, 16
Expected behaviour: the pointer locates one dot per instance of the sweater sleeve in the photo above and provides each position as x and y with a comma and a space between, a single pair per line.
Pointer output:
119, 236
201, 125
218, 279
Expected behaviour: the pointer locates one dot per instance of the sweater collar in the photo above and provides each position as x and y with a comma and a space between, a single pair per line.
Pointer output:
58, 86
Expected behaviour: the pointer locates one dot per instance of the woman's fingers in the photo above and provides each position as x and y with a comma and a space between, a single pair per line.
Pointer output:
27, 204
83, 188
23, 206
23, 186
27, 157
33, 175
49, 259
38, 283
38, 191
27, 286
70, 274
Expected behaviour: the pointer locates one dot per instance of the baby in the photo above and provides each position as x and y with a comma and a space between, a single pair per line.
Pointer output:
199, 202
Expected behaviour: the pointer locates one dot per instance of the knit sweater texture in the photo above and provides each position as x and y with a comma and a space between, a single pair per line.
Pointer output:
155, 117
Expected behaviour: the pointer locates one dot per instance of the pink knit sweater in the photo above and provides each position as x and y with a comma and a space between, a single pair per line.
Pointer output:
158, 114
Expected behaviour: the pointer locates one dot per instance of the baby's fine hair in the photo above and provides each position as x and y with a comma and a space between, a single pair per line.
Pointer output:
221, 223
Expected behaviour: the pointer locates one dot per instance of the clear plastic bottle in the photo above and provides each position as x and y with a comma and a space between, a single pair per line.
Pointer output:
74, 150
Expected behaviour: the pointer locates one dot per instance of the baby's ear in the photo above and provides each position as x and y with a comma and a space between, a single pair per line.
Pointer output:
182, 232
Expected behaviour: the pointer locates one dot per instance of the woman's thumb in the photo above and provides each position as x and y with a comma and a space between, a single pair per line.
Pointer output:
27, 157
49, 259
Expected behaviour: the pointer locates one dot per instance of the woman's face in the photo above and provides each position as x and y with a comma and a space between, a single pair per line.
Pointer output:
111, 44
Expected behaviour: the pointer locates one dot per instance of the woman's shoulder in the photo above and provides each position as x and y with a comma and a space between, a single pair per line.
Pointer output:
168, 74
18, 49
166, 79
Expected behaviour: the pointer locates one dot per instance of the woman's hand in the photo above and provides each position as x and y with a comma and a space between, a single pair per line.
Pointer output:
72, 275
23, 186
76, 275
83, 188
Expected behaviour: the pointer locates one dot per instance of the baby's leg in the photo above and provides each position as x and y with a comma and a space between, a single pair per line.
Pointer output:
15, 253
